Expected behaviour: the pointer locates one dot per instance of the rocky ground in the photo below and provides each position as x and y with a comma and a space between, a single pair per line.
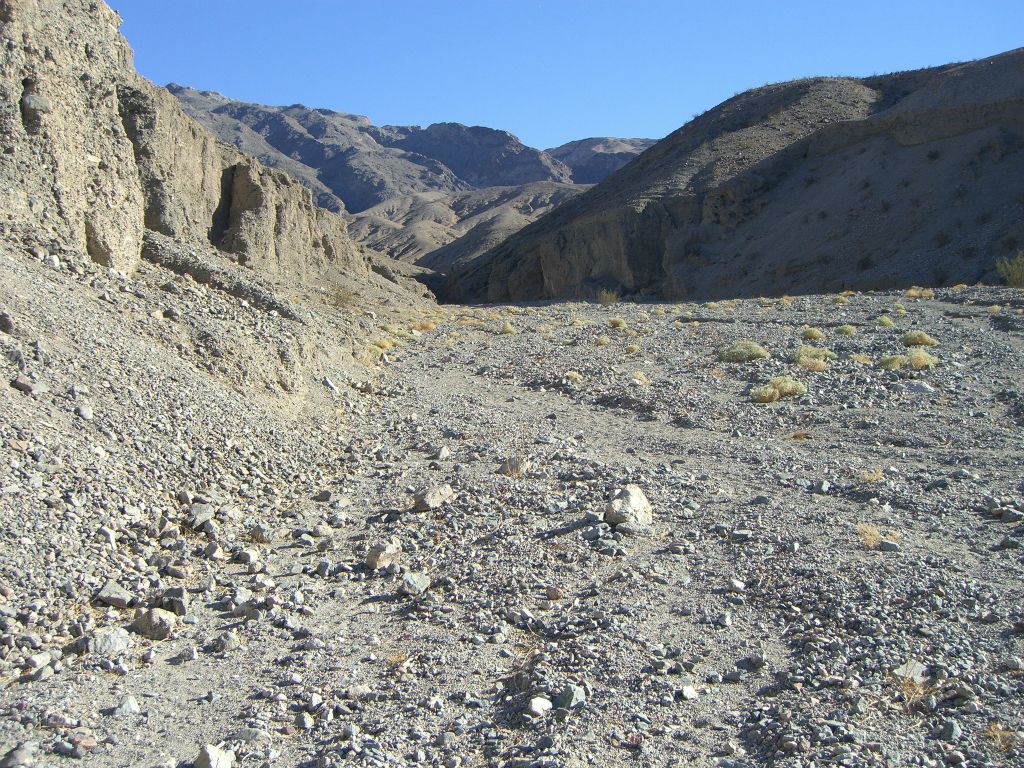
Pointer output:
592, 546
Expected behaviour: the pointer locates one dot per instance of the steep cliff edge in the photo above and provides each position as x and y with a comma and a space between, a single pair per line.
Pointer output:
93, 155
813, 185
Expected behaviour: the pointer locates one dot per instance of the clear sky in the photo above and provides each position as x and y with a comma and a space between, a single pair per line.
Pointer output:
548, 71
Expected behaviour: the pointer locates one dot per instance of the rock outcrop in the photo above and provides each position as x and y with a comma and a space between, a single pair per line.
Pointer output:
813, 185
94, 155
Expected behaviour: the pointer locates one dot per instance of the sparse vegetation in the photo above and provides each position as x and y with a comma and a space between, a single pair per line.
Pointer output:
764, 394
807, 352
860, 357
872, 475
573, 377
919, 359
917, 292
869, 535
892, 362
885, 321
508, 329
841, 300
918, 338
632, 349
846, 330
743, 351
640, 379
617, 323
787, 386
1012, 270
1002, 738
606, 297
812, 334
602, 341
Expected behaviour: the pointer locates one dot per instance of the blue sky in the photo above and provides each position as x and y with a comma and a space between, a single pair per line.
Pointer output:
548, 71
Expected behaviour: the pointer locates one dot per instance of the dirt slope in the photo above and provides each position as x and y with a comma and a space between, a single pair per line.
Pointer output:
812, 185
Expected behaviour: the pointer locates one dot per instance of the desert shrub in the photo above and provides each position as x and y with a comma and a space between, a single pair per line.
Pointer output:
743, 351
846, 330
873, 475
508, 329
892, 362
1012, 270
573, 377
640, 379
918, 359
602, 341
617, 322
632, 349
860, 357
787, 386
424, 325
918, 339
869, 534
765, 394
606, 297
842, 301
812, 364
885, 321
812, 334
917, 292
806, 351
658, 311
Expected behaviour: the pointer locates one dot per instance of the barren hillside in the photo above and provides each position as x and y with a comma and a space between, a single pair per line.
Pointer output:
812, 185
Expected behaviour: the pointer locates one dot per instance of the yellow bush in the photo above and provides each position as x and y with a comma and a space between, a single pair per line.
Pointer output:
743, 351
787, 386
918, 339
918, 359
846, 330
813, 334
885, 321
765, 394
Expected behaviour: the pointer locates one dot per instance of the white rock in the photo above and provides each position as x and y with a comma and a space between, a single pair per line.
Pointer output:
538, 706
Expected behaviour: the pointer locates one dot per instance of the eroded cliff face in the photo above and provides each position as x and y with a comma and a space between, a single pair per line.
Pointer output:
816, 185
93, 155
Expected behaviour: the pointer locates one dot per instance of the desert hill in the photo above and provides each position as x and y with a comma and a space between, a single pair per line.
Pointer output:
812, 185
412, 190
593, 160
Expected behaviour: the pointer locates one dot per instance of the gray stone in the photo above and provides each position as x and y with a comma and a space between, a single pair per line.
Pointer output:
115, 595
154, 623
629, 505
383, 553
414, 584
128, 706
110, 642
434, 497
571, 696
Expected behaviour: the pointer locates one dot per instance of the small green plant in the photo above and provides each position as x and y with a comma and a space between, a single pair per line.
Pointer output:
743, 351
617, 322
885, 321
1012, 270
606, 297
602, 341
846, 330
